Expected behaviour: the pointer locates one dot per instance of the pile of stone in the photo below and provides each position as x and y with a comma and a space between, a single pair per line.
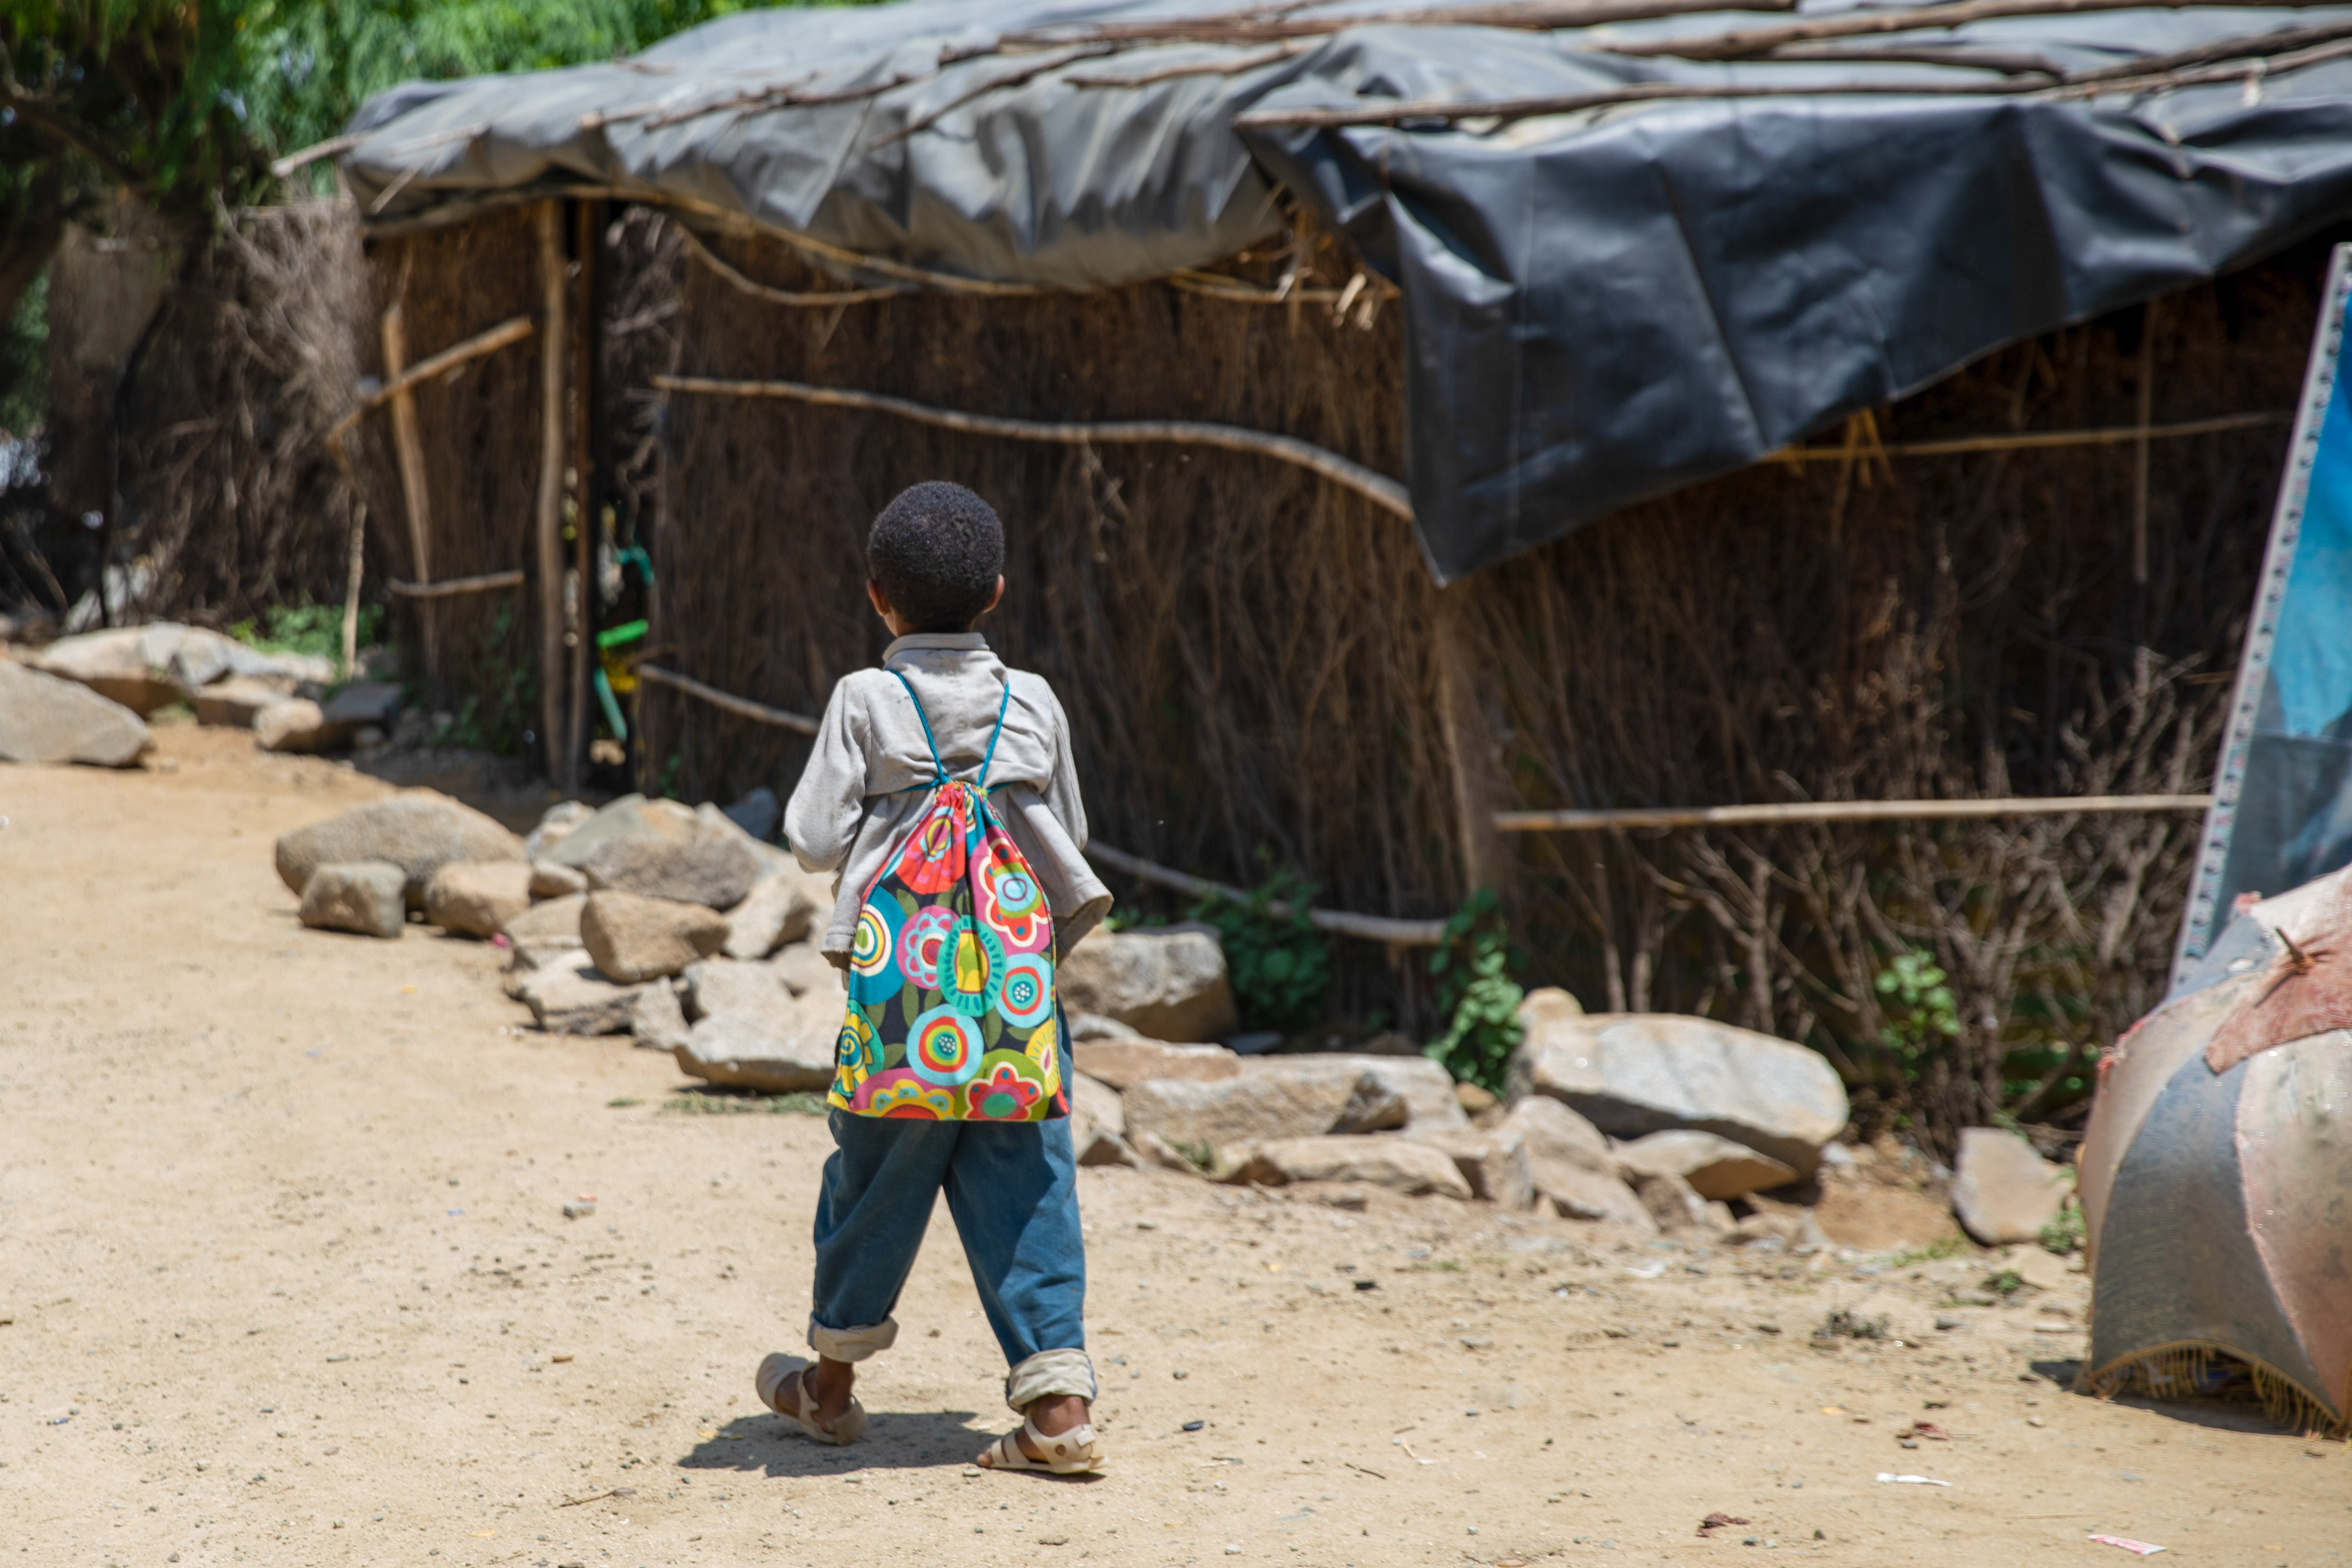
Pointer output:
684, 928
86, 699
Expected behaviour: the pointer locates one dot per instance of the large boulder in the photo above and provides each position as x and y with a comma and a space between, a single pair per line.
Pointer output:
44, 719
632, 938
555, 825
1426, 1088
477, 898
1575, 1193
782, 907
568, 838
794, 1053
1098, 1123
294, 724
1124, 1063
1570, 1165
1284, 1098
362, 703
1168, 982
549, 881
1397, 1163
236, 702
361, 895
757, 992
804, 969
418, 830
714, 868
2003, 1192
1716, 1167
1673, 1203
546, 931
143, 668
1493, 1160
570, 996
1632, 1074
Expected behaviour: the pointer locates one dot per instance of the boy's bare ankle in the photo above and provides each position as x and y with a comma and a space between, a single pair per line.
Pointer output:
1059, 1413
829, 1383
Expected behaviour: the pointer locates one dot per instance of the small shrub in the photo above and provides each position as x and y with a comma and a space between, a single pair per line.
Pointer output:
1280, 965
1920, 1013
2005, 1284
2066, 1233
1476, 994
316, 630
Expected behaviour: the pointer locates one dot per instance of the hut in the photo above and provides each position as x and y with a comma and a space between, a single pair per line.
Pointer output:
1465, 447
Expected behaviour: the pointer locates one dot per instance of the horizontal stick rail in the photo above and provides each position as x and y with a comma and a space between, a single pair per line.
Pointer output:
2030, 440
512, 330
1375, 487
1370, 928
742, 707
488, 582
1784, 813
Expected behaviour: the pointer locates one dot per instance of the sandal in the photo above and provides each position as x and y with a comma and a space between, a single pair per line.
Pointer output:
775, 1371
1066, 1453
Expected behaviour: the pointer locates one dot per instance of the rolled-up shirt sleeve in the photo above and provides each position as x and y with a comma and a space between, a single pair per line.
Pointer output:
828, 804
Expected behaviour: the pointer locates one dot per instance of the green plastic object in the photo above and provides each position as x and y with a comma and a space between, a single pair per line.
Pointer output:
611, 707
626, 632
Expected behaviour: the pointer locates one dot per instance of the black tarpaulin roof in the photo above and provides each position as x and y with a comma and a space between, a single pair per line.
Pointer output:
1607, 293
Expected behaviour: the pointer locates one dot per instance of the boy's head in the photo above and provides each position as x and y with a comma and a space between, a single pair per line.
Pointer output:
937, 556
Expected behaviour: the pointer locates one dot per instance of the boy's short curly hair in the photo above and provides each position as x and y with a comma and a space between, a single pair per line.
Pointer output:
937, 550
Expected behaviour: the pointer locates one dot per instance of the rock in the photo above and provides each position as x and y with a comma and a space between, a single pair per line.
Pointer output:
771, 856
418, 830
477, 898
128, 665
634, 937
1095, 1027
757, 814
1494, 1161
555, 823
1255, 1043
1276, 1099
292, 724
2002, 1190
1467, 1095
1576, 1193
1557, 1135
1124, 1063
1169, 983
1426, 1088
571, 996
544, 932
1398, 1164
549, 881
715, 868
804, 970
753, 991
631, 816
1672, 1202
44, 719
361, 896
796, 1056
1632, 1074
782, 907
236, 702
1714, 1167
373, 702
657, 1020
1098, 1123
1153, 1150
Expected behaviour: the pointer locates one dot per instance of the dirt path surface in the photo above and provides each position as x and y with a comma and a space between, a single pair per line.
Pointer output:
285, 1278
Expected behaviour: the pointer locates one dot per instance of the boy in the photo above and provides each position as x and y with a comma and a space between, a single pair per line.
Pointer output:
943, 704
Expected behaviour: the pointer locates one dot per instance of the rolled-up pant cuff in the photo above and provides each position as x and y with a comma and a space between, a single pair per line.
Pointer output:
1046, 1374
852, 1344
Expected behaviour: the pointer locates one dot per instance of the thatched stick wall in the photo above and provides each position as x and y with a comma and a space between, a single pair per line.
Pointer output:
1247, 653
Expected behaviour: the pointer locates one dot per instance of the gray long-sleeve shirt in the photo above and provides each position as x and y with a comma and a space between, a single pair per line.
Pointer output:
867, 782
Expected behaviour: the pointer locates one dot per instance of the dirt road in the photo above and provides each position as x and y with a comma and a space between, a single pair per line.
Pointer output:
286, 1278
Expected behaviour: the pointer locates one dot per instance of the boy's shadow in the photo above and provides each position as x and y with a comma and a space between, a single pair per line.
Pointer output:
772, 1446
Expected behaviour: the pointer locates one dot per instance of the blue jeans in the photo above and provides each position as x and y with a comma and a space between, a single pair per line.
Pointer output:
1013, 1191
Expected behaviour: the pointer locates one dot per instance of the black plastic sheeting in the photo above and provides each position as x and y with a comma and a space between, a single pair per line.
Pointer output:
1600, 306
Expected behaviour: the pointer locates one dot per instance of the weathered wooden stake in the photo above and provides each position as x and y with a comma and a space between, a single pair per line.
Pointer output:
552, 285
351, 589
1469, 748
409, 449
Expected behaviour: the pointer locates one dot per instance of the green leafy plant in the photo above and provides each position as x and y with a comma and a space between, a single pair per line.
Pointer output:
1919, 1009
1476, 995
1943, 1247
2065, 1233
316, 630
1280, 965
2007, 1282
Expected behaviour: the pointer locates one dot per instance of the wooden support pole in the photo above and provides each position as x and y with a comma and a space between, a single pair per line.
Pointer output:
451, 588
408, 447
1469, 745
744, 707
1370, 928
1783, 813
553, 284
584, 521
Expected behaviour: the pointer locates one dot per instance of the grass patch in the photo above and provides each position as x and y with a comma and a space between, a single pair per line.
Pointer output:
2067, 1233
623, 1102
1935, 1251
1845, 1324
1432, 1265
744, 1102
